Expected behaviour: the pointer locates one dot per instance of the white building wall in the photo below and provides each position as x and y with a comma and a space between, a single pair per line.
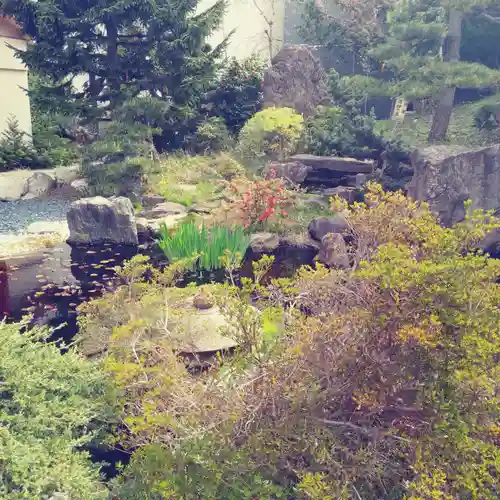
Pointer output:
258, 27
14, 102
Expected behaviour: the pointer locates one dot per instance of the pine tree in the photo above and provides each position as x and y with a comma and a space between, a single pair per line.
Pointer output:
418, 50
422, 50
124, 48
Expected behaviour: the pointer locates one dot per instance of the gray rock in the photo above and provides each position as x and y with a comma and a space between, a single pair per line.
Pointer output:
13, 184
99, 220
144, 230
321, 226
151, 200
39, 184
293, 171
491, 243
348, 194
81, 186
295, 80
333, 251
299, 241
264, 242
12, 189
169, 221
66, 175
162, 210
334, 164
446, 176
361, 180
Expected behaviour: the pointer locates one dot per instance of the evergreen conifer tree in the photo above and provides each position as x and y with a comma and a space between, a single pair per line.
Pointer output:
122, 49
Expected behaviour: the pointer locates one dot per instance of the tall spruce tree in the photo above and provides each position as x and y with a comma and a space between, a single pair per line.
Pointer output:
122, 48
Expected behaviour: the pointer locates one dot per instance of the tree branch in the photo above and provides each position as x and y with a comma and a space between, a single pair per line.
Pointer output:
490, 18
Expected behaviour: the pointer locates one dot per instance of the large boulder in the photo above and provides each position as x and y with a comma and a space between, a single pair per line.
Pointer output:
447, 176
12, 187
66, 175
39, 184
333, 251
25, 184
349, 194
321, 226
344, 165
98, 220
162, 210
295, 80
293, 172
264, 242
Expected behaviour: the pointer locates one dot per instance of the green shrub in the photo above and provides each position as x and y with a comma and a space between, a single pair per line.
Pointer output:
273, 133
211, 136
239, 94
16, 150
47, 403
211, 246
387, 388
227, 167
116, 178
335, 131
60, 151
488, 116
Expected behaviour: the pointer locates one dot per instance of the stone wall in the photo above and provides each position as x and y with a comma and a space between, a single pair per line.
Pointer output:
447, 176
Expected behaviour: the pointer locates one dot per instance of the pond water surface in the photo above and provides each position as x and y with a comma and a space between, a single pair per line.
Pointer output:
51, 284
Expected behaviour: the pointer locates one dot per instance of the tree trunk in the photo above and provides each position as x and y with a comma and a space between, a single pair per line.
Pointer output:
112, 59
451, 53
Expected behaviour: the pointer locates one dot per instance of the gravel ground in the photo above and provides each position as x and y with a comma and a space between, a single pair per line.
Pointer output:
16, 216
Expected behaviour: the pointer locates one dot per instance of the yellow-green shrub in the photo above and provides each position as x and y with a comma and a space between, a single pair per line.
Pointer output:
272, 132
388, 388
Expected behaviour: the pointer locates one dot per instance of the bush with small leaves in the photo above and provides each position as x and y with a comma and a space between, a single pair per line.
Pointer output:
239, 93
48, 402
211, 136
16, 151
272, 133
376, 382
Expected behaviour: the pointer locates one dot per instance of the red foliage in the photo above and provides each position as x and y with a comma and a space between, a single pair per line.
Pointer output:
258, 201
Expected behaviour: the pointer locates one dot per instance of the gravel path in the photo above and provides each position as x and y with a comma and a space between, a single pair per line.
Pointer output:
16, 216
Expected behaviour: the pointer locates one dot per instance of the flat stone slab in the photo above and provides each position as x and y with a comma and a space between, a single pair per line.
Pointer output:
335, 163
43, 227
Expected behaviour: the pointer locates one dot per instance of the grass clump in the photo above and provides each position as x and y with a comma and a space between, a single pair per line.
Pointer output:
209, 246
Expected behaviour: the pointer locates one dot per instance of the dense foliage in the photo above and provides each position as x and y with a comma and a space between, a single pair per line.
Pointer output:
125, 50
272, 133
16, 150
379, 381
211, 136
345, 130
238, 95
54, 134
209, 249
413, 48
50, 407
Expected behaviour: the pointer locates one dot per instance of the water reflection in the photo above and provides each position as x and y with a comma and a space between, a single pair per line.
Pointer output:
51, 284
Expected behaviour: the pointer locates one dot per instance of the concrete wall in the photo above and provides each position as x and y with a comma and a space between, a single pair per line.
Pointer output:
13, 80
250, 20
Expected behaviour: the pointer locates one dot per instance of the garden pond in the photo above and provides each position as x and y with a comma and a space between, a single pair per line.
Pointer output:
51, 284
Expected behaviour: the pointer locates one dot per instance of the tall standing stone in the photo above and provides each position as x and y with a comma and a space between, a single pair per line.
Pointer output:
296, 79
